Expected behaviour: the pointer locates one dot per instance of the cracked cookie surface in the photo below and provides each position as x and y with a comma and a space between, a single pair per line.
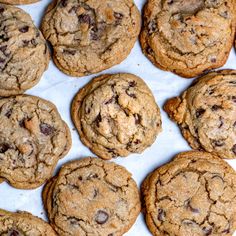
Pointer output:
33, 137
206, 113
92, 197
24, 55
23, 224
116, 115
194, 195
90, 36
178, 36
18, 2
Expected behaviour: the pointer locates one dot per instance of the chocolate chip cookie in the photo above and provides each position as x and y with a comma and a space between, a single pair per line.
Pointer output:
116, 115
23, 223
92, 197
90, 36
24, 55
188, 37
206, 113
193, 195
32, 139
15, 2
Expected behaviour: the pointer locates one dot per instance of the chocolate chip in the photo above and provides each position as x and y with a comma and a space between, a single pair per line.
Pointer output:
3, 48
24, 29
112, 99
92, 176
234, 149
33, 42
192, 209
200, 112
95, 193
85, 18
137, 141
25, 43
152, 27
170, 2
8, 113
98, 119
232, 82
22, 123
216, 107
69, 51
1, 9
13, 233
46, 129
132, 95
63, 3
101, 217
213, 60
80, 178
218, 143
161, 215
207, 231
234, 98
2, 60
137, 119
221, 122
234, 124
132, 84
118, 15
4, 147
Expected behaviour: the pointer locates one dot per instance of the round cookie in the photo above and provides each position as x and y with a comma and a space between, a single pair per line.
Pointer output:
92, 197
18, 2
24, 54
116, 115
23, 223
90, 36
193, 195
33, 137
188, 37
206, 113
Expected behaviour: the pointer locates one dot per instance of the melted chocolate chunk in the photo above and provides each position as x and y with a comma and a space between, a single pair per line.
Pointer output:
69, 51
24, 29
8, 113
192, 209
98, 119
152, 27
46, 129
207, 231
112, 99
137, 118
132, 95
161, 215
13, 233
221, 122
63, 3
101, 217
200, 112
218, 143
234, 98
85, 18
4, 147
1, 9
22, 123
132, 84
216, 107
234, 149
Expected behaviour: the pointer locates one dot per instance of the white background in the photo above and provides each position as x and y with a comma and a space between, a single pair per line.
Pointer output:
60, 89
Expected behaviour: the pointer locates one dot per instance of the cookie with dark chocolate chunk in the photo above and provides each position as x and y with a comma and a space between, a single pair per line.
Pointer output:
90, 36
92, 197
116, 115
24, 55
23, 223
33, 137
206, 113
192, 195
188, 37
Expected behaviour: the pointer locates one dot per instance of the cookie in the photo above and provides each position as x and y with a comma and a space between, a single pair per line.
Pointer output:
19, 2
90, 36
24, 54
193, 195
33, 137
116, 115
206, 113
188, 37
23, 223
92, 197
